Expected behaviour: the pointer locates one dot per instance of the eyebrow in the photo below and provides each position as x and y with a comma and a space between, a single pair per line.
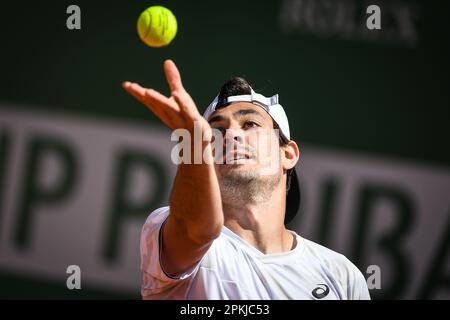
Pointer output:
236, 114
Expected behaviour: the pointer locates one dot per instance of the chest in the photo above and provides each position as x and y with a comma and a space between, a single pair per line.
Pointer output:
244, 277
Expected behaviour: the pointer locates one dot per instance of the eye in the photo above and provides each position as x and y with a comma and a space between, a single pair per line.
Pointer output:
250, 124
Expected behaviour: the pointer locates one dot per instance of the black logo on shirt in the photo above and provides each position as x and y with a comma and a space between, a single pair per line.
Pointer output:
321, 291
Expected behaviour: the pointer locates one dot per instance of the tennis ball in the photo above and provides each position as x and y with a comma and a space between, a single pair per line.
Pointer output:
157, 26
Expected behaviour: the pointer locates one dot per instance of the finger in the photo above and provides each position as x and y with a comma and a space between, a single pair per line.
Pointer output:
186, 104
167, 121
164, 108
160, 101
135, 90
173, 76
153, 100
145, 95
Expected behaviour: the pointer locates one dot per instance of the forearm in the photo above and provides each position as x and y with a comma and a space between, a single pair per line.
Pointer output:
195, 201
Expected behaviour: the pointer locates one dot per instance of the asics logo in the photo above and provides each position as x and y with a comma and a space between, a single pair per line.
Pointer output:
321, 291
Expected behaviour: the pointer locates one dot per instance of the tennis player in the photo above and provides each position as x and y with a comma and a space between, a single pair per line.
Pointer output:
223, 235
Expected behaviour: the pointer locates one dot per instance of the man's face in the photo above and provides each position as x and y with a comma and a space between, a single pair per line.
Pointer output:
251, 151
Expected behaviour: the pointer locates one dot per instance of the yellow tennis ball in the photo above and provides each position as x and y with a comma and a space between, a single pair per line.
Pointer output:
157, 26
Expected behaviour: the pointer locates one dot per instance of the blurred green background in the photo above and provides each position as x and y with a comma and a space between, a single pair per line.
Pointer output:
381, 93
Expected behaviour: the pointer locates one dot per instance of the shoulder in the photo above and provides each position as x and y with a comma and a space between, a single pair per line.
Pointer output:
151, 229
158, 215
150, 238
340, 268
330, 257
155, 220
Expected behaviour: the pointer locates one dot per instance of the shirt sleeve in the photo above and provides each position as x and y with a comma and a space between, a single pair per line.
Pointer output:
155, 279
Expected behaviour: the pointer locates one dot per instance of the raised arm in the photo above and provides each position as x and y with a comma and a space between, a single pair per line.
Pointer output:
196, 216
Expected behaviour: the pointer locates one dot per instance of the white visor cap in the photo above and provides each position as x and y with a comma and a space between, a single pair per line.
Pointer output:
271, 105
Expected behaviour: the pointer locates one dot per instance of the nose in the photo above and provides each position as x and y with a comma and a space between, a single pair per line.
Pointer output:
233, 136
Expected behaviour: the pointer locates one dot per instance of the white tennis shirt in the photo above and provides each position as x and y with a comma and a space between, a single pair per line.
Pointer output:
233, 269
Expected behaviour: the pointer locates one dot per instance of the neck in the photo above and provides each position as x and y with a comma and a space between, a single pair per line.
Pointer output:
261, 224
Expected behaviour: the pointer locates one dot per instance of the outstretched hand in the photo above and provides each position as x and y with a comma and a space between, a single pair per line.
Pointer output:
177, 111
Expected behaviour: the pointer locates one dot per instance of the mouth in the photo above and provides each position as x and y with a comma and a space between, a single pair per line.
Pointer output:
234, 157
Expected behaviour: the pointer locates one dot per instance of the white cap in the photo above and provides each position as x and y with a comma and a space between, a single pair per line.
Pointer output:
271, 105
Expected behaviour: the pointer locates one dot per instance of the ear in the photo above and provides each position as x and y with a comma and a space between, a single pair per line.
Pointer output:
291, 155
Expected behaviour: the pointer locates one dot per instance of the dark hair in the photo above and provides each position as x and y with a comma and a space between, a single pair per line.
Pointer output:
239, 86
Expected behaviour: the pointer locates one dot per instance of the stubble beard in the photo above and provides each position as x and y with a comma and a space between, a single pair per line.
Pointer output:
247, 187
